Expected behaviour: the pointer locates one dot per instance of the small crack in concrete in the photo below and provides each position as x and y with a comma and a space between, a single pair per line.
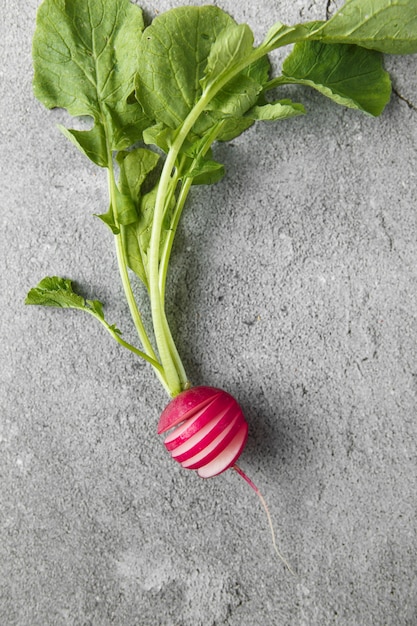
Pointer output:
329, 10
408, 102
386, 232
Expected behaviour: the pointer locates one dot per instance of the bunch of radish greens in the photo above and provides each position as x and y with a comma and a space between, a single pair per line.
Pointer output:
158, 97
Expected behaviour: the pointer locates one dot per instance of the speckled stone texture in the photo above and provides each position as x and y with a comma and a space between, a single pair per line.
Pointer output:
293, 286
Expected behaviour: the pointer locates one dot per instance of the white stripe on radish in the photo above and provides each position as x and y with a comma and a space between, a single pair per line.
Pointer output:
213, 449
227, 457
201, 423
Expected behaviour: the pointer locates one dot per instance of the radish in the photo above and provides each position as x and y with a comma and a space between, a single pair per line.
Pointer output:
156, 112
209, 430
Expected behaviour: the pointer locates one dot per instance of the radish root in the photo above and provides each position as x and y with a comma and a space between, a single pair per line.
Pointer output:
268, 515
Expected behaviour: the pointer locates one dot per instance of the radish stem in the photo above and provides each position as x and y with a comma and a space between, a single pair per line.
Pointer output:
268, 515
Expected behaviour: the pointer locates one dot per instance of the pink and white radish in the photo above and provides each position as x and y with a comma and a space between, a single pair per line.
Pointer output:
207, 432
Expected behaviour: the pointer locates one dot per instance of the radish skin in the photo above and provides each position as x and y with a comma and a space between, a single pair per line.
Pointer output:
184, 405
202, 443
213, 451
201, 422
209, 430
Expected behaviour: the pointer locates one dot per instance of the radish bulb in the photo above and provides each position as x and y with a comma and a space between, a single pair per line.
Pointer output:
208, 430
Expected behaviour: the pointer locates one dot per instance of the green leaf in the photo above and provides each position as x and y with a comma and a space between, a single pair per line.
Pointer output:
137, 235
159, 135
144, 225
206, 172
173, 55
85, 54
92, 142
233, 127
127, 125
136, 259
108, 219
281, 35
233, 44
279, 110
57, 292
349, 75
126, 208
188, 49
97, 307
389, 26
135, 167
238, 95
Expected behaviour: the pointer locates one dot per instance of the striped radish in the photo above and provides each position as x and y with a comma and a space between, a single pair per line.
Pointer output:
208, 430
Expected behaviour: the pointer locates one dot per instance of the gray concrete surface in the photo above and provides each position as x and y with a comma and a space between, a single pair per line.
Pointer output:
294, 287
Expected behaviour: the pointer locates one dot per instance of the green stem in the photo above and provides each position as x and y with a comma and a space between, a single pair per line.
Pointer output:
162, 282
125, 344
166, 329
186, 183
278, 81
160, 325
157, 283
127, 287
166, 252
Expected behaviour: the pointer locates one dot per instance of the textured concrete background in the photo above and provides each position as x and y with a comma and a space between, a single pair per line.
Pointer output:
293, 286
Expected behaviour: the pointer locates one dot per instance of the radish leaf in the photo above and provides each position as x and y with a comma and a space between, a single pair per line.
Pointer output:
135, 167
57, 292
281, 35
184, 52
236, 97
234, 44
349, 75
206, 172
92, 143
85, 57
389, 26
173, 54
279, 110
